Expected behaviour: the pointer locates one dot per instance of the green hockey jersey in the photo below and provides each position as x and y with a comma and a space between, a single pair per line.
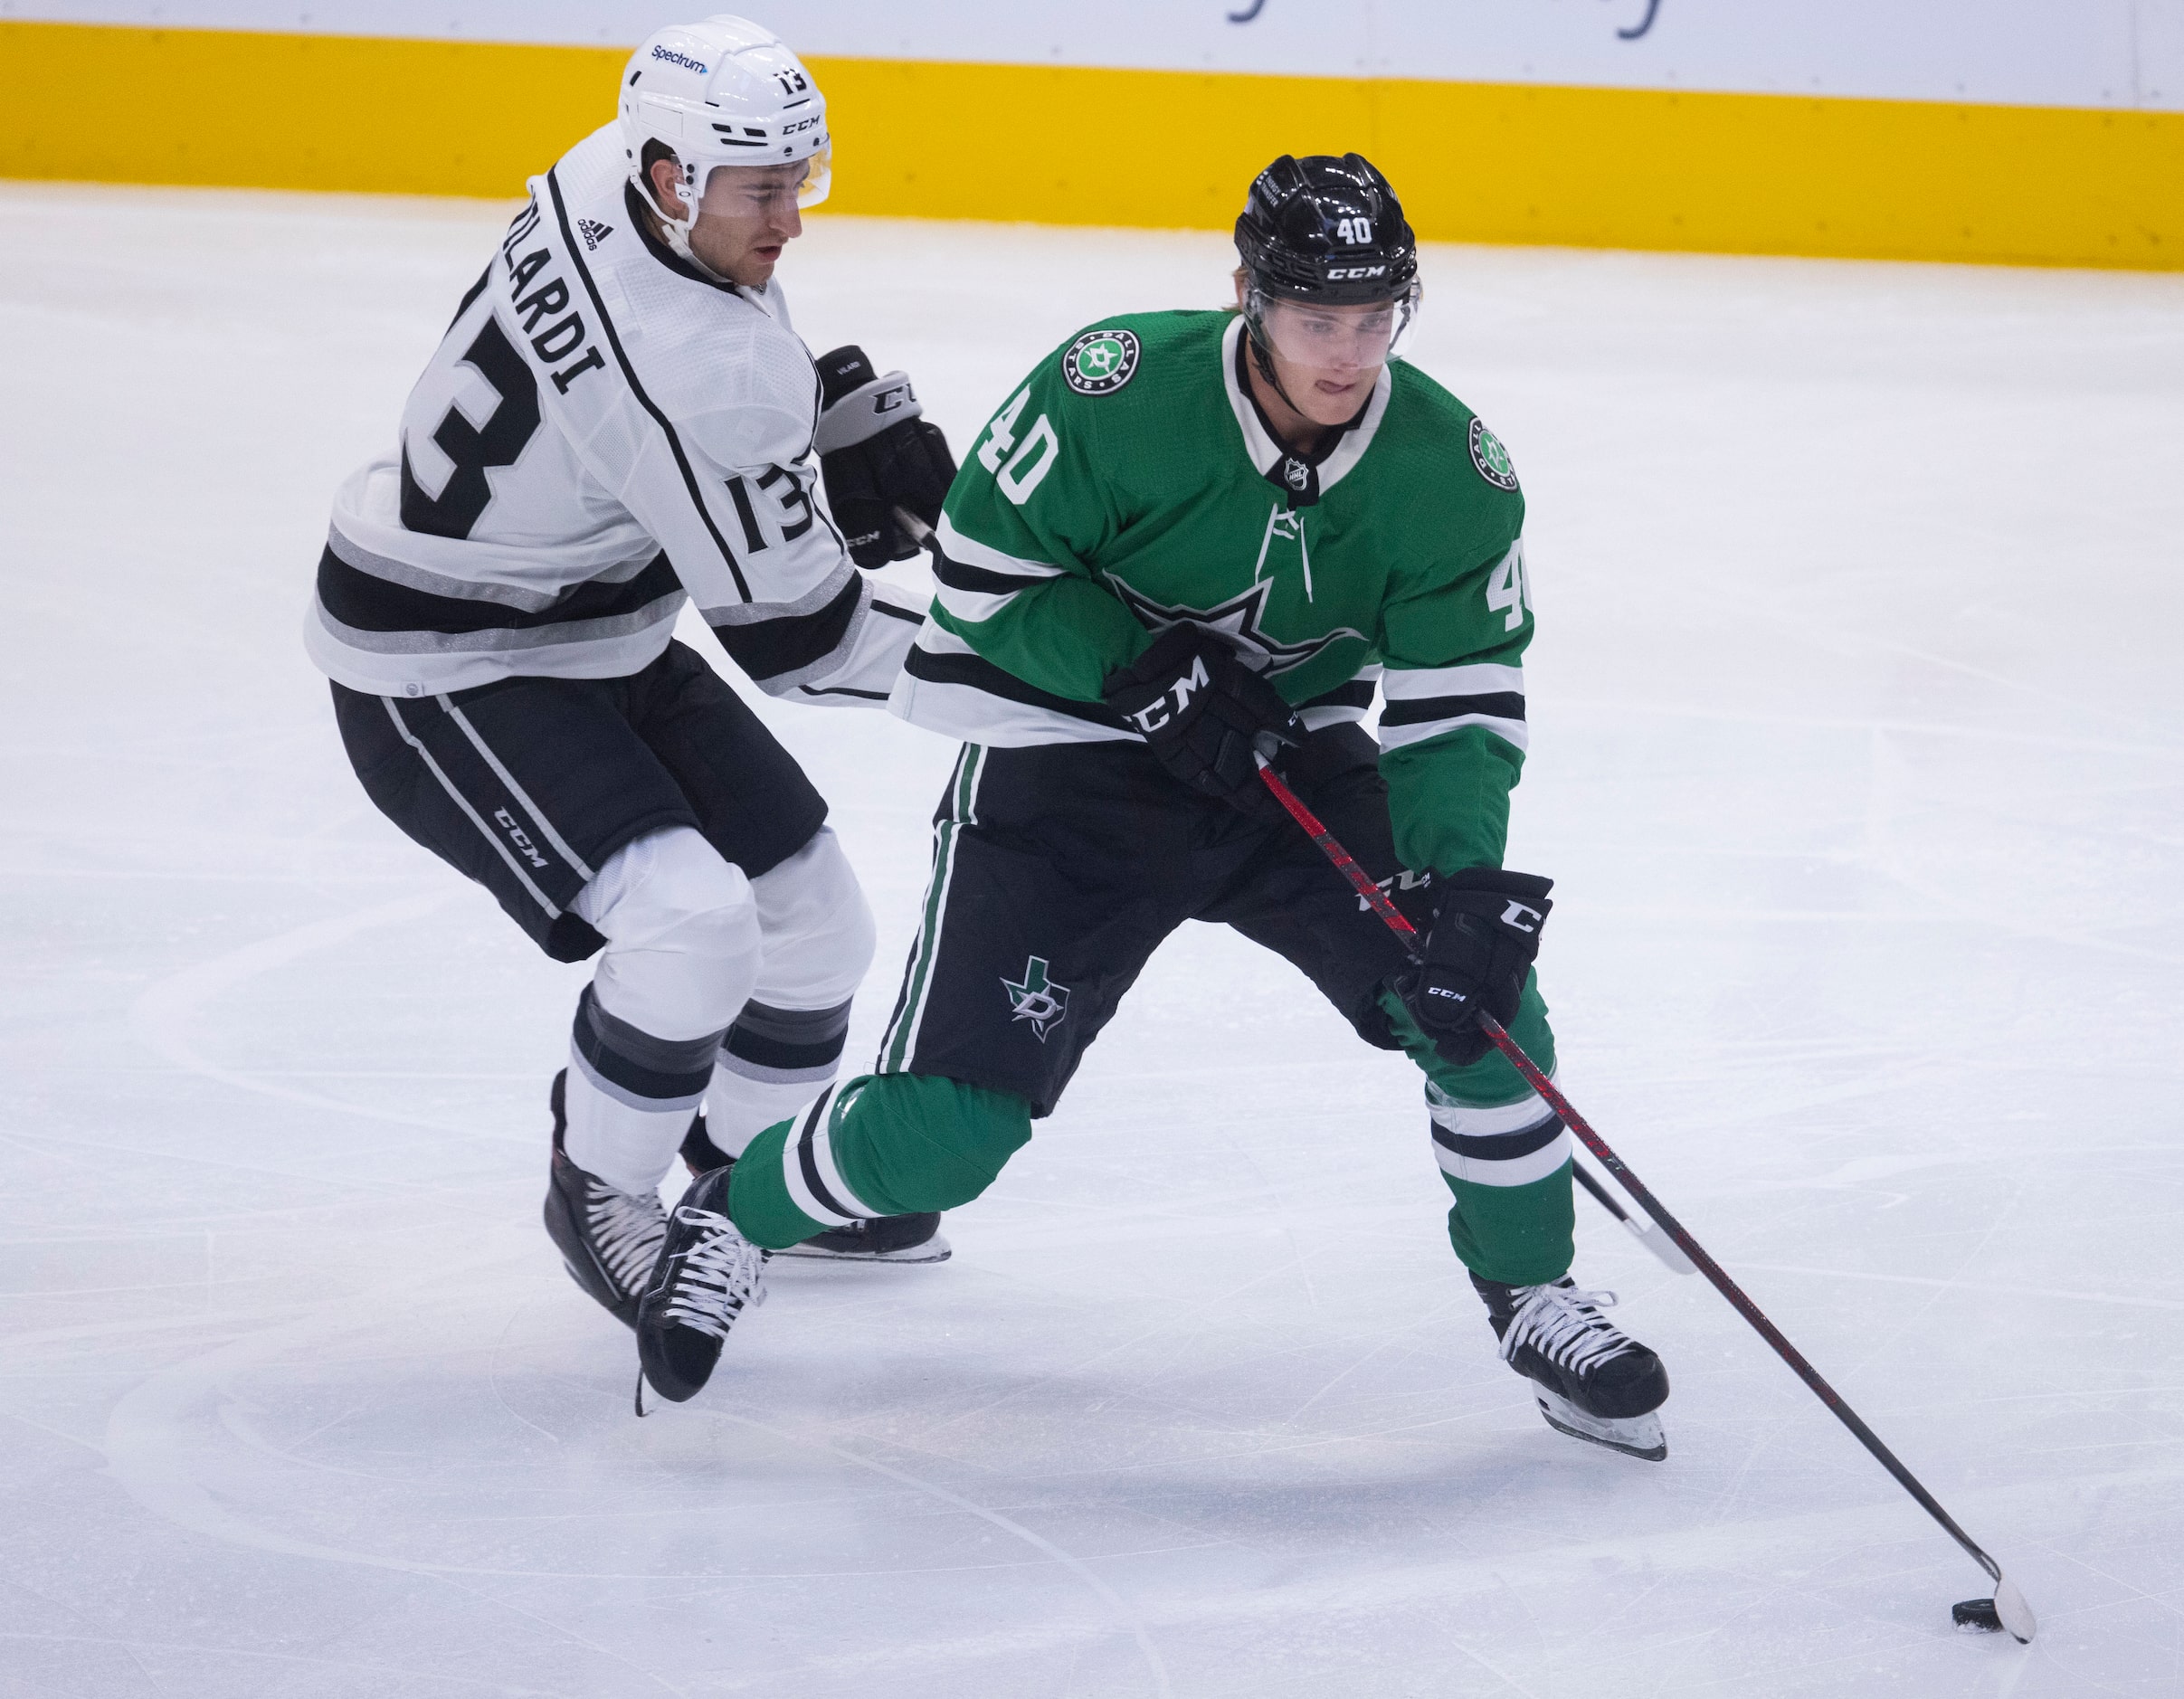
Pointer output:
1131, 483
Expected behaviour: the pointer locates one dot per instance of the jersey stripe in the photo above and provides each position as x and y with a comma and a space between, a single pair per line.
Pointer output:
1425, 701
629, 372
795, 640
1422, 711
1511, 732
1472, 679
970, 551
369, 602
974, 669
1345, 705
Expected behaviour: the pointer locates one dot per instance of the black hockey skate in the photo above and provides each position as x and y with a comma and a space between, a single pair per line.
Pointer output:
707, 1275
890, 1238
608, 1240
1593, 1382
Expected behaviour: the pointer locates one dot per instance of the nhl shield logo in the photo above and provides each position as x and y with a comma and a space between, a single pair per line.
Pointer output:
1036, 999
1100, 362
1490, 458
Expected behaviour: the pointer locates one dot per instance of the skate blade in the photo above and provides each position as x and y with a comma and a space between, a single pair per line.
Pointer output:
1633, 1436
935, 1249
625, 1312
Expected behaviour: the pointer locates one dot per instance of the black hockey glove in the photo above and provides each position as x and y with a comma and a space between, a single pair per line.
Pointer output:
1200, 709
877, 453
1485, 932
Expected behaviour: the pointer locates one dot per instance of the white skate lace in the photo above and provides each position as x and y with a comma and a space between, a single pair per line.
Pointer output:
1565, 1325
625, 1230
722, 1275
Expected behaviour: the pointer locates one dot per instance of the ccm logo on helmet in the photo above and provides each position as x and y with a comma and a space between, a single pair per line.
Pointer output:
1337, 274
802, 124
674, 58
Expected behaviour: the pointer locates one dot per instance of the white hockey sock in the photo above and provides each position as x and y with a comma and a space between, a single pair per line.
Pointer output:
682, 953
785, 1047
629, 1147
772, 1063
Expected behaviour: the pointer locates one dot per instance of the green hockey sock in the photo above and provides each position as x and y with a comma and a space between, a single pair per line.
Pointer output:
1502, 1153
881, 1144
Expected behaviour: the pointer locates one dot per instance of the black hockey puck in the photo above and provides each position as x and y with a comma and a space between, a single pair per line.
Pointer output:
1977, 1615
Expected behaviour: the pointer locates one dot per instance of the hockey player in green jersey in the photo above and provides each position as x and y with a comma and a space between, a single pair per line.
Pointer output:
1185, 539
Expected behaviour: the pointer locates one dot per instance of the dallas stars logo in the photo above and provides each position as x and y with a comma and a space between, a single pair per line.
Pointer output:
1100, 362
1036, 999
1241, 619
1490, 458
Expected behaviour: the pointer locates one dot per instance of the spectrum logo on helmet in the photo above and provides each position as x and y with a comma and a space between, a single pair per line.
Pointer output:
675, 58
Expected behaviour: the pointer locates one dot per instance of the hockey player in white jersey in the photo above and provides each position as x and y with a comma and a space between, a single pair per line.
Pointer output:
621, 418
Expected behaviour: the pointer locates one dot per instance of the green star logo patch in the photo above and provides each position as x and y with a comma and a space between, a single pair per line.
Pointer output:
1100, 362
1036, 997
1490, 458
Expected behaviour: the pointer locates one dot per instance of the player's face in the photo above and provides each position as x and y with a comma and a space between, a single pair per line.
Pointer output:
747, 214
1329, 358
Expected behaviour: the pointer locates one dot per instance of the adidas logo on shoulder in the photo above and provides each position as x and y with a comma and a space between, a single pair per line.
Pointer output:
593, 232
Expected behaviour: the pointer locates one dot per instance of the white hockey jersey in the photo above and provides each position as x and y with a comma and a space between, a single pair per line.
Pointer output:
603, 431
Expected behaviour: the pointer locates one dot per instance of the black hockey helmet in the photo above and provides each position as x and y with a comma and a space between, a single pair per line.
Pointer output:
1327, 230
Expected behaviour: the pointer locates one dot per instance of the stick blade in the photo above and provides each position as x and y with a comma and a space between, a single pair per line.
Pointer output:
2006, 1612
1670, 1253
2016, 1614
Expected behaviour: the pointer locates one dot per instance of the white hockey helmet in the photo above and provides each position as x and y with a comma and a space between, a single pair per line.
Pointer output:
723, 92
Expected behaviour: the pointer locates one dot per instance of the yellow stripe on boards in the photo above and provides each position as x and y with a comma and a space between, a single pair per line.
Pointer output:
235, 108
1066, 145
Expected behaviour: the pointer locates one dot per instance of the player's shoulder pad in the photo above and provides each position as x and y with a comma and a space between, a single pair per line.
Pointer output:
1431, 415
722, 368
1106, 357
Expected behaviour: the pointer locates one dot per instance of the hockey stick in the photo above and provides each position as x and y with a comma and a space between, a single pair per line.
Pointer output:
2008, 1607
1651, 1236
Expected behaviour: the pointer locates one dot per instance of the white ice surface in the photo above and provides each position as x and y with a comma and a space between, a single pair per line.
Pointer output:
1857, 728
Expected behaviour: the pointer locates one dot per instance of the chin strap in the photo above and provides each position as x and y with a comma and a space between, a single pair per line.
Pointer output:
1264, 361
676, 234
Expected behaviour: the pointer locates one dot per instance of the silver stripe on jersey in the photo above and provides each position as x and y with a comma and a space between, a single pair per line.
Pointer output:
811, 601
500, 640
614, 655
524, 599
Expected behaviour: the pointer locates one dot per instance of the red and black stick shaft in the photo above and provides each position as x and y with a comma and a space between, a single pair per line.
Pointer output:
1346, 865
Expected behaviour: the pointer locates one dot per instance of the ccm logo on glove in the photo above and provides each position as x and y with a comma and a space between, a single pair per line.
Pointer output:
1202, 712
1152, 719
1479, 953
